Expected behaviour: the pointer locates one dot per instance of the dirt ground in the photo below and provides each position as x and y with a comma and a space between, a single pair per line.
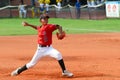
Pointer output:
88, 56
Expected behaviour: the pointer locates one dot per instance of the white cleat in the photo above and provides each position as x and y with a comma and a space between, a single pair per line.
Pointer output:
67, 74
15, 72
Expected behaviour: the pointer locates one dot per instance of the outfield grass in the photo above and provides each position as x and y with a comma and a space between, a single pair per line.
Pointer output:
12, 26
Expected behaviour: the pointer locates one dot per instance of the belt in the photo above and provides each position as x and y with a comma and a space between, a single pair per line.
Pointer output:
44, 45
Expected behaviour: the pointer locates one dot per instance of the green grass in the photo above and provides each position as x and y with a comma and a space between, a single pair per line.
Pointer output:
12, 26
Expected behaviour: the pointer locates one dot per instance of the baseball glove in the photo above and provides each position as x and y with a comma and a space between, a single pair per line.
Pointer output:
60, 36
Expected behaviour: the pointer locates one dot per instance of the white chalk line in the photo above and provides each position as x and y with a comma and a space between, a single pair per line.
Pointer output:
93, 30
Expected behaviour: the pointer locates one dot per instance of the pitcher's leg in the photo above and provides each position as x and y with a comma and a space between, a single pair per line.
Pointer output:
57, 55
34, 60
62, 65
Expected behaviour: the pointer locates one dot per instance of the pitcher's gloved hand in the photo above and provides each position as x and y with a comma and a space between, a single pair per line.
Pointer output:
60, 36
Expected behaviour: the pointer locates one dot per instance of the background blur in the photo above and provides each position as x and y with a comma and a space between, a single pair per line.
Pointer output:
97, 11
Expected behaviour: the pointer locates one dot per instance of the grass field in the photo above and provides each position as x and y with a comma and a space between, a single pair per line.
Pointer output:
12, 26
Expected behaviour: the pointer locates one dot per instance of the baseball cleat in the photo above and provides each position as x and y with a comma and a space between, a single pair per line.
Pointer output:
15, 72
67, 73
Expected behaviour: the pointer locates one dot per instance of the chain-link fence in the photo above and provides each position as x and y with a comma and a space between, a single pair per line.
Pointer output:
4, 3
97, 12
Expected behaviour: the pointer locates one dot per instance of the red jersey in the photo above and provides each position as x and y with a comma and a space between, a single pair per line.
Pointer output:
45, 34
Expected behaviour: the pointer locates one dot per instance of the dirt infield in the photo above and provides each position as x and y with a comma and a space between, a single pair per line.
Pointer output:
88, 56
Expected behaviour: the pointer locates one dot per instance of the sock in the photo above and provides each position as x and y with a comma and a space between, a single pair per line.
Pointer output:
62, 65
22, 69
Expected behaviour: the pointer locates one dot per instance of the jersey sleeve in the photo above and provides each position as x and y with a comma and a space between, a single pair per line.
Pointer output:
38, 28
52, 27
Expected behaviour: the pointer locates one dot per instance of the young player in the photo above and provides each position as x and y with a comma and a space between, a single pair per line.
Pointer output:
45, 46
77, 6
47, 2
59, 4
22, 11
41, 3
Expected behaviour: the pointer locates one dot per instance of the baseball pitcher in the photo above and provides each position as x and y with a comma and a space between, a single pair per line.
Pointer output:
45, 46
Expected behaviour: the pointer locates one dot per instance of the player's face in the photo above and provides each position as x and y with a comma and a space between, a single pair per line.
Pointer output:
44, 21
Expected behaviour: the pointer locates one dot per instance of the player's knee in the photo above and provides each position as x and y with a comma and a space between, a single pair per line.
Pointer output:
58, 56
30, 65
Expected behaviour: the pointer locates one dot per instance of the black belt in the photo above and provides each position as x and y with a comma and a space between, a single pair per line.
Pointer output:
44, 45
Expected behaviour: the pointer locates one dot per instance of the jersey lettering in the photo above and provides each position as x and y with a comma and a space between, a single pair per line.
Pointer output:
45, 34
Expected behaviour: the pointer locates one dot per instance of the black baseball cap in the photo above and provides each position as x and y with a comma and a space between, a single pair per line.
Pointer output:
44, 17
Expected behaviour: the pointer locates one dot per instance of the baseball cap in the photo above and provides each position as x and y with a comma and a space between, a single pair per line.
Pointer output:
44, 17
